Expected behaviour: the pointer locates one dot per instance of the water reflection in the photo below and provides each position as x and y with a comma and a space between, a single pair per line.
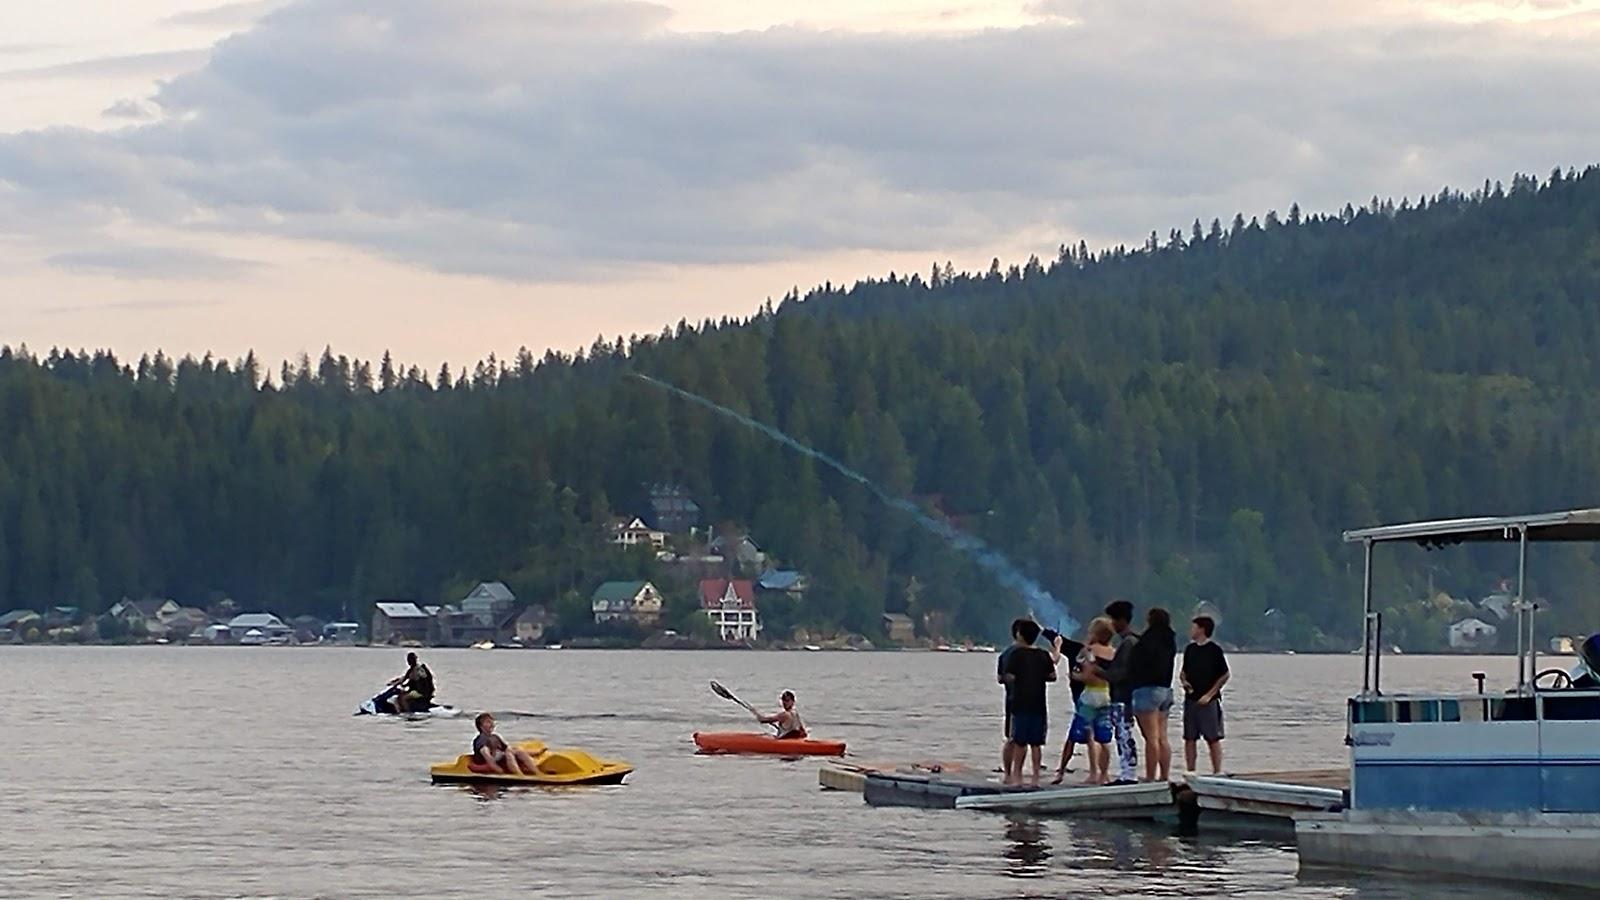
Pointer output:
1028, 849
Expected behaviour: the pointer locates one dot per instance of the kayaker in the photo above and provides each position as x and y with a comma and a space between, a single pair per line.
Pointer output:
492, 750
786, 721
416, 687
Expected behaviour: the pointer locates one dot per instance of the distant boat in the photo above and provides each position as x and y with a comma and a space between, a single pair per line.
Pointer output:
1563, 646
984, 648
812, 647
943, 648
483, 645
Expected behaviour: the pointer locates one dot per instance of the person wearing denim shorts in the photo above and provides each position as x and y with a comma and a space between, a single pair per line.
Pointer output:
1151, 674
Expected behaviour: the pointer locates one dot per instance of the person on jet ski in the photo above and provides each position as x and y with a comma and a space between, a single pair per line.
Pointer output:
492, 750
788, 720
416, 687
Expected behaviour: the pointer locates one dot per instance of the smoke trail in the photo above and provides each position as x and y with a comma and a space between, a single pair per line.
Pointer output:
1039, 599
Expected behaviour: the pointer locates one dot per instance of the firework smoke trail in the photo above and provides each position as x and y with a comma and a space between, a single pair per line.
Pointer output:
1039, 600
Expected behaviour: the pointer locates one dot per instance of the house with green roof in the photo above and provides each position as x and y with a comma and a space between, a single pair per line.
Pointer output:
637, 602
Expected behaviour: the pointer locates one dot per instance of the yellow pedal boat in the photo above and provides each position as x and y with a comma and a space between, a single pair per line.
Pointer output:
566, 766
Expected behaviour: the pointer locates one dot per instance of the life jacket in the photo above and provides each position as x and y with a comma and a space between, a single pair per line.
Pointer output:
421, 680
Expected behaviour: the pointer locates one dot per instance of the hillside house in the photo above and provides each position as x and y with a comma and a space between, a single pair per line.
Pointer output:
638, 602
394, 622
782, 581
741, 549
899, 628
1472, 634
635, 533
730, 604
672, 510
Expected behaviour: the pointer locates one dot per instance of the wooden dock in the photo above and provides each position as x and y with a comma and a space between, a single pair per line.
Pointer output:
837, 775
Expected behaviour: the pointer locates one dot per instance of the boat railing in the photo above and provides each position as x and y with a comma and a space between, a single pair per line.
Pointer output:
1560, 705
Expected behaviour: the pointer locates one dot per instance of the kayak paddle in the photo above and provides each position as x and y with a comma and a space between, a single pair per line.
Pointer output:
726, 694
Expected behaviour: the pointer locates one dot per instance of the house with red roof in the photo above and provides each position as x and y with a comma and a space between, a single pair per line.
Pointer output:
730, 604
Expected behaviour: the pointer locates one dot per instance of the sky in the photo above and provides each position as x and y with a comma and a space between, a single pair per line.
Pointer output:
447, 180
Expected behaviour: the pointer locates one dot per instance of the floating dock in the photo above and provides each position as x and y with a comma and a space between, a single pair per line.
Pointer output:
843, 776
1146, 800
1272, 799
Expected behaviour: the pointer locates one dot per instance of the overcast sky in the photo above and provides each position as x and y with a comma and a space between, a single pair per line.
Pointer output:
447, 179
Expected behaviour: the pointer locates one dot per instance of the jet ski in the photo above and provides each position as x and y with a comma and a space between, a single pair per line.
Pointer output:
553, 768
383, 705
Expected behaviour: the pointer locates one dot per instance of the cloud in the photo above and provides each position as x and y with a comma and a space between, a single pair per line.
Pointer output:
227, 15
128, 109
134, 65
134, 261
556, 139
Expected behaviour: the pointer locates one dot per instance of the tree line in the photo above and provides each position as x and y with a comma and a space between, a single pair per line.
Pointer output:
1193, 419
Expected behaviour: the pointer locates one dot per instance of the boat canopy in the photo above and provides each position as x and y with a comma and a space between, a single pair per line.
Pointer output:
1572, 525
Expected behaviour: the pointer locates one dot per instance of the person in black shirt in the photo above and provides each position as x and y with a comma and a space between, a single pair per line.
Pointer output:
1028, 670
1204, 672
1151, 676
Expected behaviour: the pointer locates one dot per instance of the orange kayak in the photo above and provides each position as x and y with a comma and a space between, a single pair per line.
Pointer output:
744, 742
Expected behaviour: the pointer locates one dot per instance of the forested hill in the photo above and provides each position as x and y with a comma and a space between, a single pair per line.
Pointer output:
1194, 419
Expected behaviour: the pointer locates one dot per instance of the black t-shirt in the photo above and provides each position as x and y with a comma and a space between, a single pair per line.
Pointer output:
491, 740
1203, 665
1033, 668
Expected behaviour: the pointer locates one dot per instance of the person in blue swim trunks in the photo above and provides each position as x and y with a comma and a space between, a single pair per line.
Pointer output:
1028, 671
1091, 720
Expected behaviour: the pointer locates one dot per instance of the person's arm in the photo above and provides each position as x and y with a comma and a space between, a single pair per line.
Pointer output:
485, 755
1216, 688
1055, 651
1011, 668
1117, 672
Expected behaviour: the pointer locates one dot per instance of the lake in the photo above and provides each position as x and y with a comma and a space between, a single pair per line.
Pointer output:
240, 772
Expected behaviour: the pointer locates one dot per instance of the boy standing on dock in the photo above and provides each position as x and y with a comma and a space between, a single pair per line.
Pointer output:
1205, 671
1028, 669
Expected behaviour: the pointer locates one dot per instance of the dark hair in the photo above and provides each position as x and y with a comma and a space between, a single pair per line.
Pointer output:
411, 658
786, 695
1120, 611
1016, 626
1206, 623
1028, 630
478, 722
1159, 618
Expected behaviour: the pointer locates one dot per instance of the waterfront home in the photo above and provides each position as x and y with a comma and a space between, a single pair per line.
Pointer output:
217, 634
144, 618
340, 632
635, 533
730, 604
307, 629
899, 628
186, 621
638, 602
22, 621
531, 624
63, 616
488, 601
272, 628
1471, 634
394, 621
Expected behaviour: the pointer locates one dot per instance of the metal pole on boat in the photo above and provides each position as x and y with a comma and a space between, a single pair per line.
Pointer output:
1366, 620
1522, 576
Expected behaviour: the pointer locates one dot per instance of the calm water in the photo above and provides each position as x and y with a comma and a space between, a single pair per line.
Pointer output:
239, 772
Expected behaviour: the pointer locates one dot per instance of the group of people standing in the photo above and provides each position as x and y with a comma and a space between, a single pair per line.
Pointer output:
1119, 678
